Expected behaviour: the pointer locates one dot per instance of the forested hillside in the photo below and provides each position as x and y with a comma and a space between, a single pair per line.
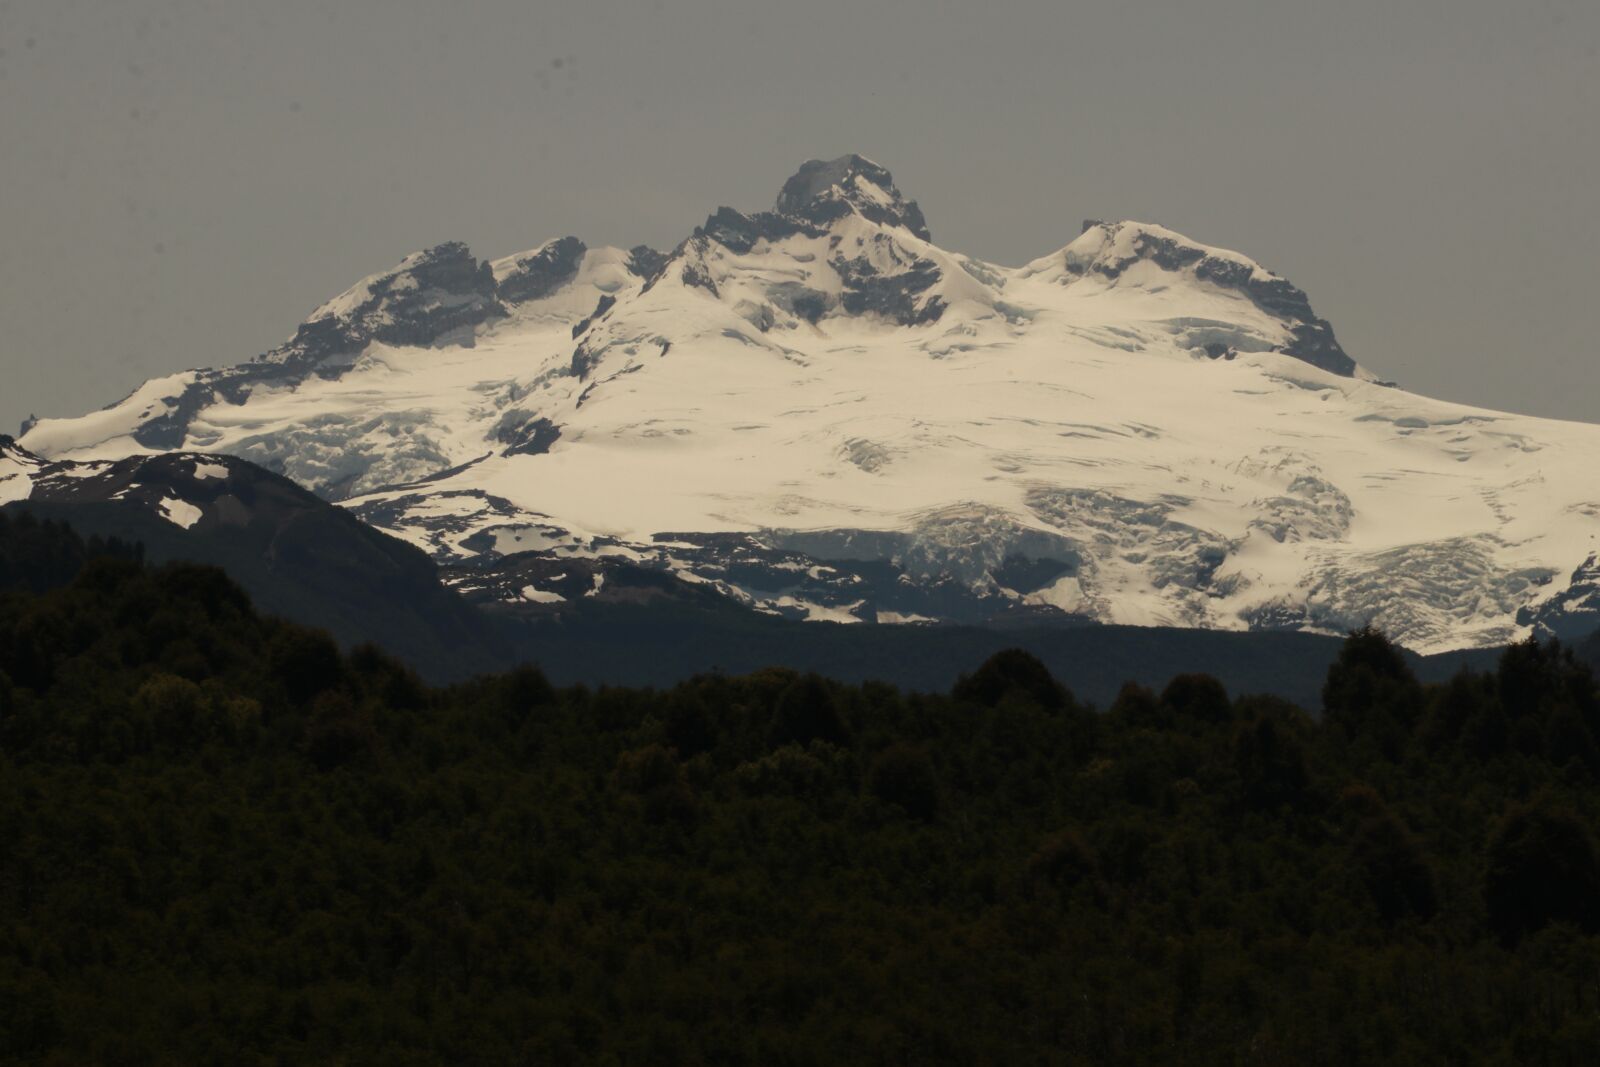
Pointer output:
225, 841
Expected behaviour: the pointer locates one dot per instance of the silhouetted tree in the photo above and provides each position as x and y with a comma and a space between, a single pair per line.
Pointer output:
1015, 673
653, 775
807, 711
687, 722
306, 662
1371, 692
904, 774
1542, 869
393, 683
1465, 705
1065, 863
1136, 706
171, 709
1270, 763
1567, 740
339, 731
525, 689
1394, 870
208, 587
1197, 698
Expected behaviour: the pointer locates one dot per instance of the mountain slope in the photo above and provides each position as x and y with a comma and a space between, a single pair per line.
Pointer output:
296, 555
818, 412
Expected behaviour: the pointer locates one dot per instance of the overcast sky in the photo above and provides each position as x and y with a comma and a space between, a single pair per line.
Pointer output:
182, 181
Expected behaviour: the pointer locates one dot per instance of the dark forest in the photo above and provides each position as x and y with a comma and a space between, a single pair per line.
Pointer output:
224, 840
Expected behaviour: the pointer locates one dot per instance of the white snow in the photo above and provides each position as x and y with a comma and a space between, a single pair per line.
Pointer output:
17, 471
179, 512
107, 434
350, 301
204, 470
815, 612
903, 618
1197, 491
14, 486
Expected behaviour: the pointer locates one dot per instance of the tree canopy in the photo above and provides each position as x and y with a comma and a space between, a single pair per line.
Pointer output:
223, 839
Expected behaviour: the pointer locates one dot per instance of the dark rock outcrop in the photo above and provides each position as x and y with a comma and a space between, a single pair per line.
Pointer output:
801, 301
442, 292
1573, 613
544, 272
645, 262
819, 194
1313, 339
823, 191
530, 437
431, 294
738, 232
603, 305
895, 296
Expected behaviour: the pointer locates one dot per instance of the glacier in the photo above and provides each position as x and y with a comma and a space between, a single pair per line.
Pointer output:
818, 412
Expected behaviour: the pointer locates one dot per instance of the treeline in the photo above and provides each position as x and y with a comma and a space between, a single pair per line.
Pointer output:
37, 556
224, 841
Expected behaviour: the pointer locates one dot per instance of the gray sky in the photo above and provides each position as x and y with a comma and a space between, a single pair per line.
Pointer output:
182, 181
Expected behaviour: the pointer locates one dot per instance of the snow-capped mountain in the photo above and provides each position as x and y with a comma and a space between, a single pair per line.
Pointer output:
819, 412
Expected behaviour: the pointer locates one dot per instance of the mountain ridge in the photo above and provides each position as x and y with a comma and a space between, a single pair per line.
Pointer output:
819, 413
296, 554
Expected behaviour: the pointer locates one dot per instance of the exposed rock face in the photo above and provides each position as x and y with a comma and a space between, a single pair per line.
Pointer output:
801, 301
583, 360
171, 428
531, 436
543, 272
894, 295
862, 577
820, 194
822, 191
738, 232
1109, 249
646, 262
603, 305
1573, 613
432, 297
881, 277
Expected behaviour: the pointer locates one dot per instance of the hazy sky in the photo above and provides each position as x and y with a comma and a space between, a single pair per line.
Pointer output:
182, 181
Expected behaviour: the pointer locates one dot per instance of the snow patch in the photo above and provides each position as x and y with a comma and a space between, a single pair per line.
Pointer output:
180, 513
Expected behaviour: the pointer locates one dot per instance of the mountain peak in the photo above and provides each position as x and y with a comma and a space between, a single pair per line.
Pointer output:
1109, 249
824, 190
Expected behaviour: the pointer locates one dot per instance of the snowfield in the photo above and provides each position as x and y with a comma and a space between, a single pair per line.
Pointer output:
824, 414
